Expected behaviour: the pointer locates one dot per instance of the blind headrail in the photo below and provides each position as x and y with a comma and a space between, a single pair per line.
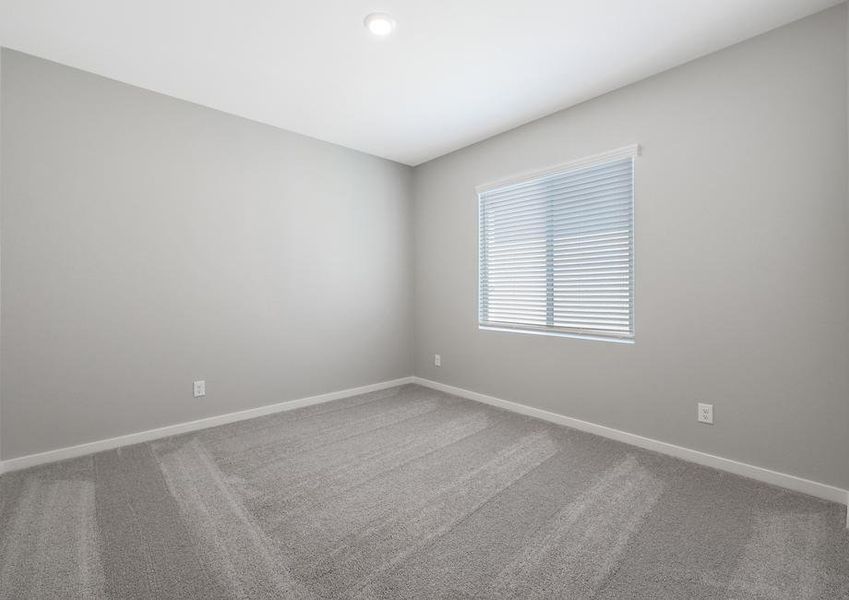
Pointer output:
630, 151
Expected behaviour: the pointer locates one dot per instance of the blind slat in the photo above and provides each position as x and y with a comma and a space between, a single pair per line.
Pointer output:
539, 231
618, 194
587, 241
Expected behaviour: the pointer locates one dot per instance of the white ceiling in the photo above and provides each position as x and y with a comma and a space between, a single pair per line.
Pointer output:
453, 73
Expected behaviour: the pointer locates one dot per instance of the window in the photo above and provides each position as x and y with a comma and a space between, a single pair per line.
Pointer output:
557, 250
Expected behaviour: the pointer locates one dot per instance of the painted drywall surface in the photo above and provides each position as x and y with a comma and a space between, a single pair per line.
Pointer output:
148, 242
846, 46
741, 240
1, 249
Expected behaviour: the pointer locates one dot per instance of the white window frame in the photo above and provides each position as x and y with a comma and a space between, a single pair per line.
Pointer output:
631, 151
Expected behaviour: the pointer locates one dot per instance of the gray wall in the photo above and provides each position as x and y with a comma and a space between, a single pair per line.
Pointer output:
742, 295
1, 245
148, 242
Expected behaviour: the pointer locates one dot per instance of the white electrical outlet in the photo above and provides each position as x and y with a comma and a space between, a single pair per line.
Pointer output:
200, 388
706, 413
437, 360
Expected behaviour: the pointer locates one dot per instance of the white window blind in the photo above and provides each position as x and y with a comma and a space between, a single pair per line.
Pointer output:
557, 249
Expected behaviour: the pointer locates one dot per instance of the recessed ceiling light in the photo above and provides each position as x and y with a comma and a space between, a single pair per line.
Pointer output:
380, 23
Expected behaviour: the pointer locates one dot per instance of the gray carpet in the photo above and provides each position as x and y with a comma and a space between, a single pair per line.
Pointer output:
408, 493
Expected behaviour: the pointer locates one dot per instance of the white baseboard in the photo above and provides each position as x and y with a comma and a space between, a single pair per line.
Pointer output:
791, 482
31, 460
805, 486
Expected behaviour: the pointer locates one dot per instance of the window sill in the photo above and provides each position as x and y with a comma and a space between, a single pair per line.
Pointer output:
579, 336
